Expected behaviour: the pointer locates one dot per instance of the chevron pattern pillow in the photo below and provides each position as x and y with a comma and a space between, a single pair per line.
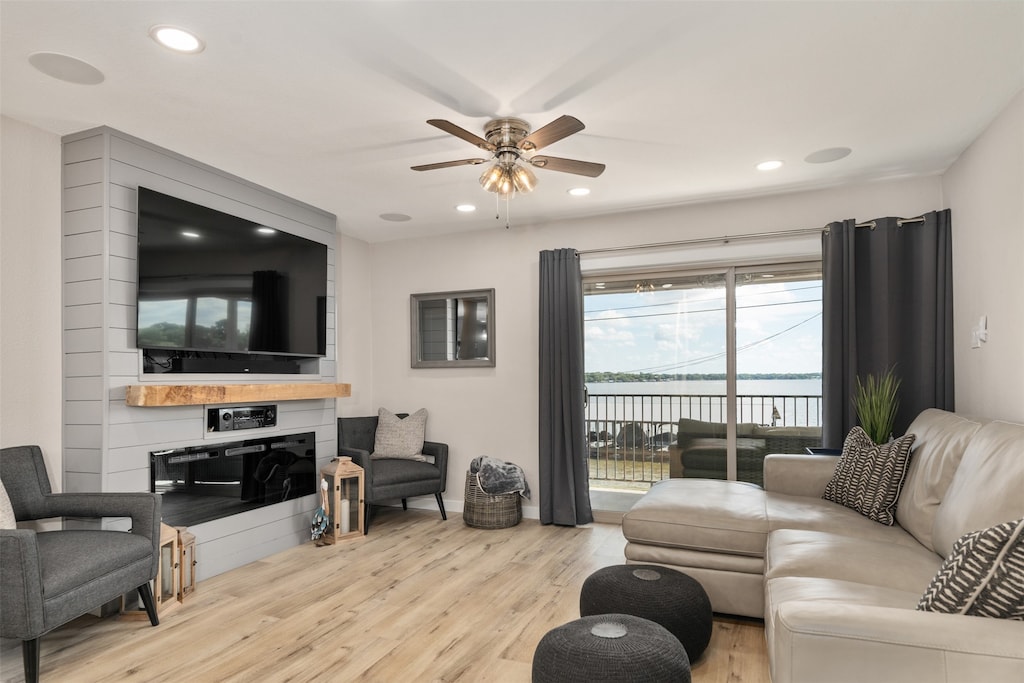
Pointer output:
869, 477
983, 575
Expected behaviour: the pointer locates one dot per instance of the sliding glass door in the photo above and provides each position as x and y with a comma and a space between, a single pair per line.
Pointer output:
778, 364
655, 349
700, 373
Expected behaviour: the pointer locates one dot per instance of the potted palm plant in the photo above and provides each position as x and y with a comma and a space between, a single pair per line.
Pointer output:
876, 400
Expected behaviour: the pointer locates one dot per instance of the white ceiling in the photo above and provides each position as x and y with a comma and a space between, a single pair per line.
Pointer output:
327, 101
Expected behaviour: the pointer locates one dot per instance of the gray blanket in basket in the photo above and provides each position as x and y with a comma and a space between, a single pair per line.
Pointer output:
495, 477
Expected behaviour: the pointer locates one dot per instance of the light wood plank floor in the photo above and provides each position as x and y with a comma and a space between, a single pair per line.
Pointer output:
417, 600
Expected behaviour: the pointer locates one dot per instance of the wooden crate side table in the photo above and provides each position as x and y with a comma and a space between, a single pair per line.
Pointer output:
345, 495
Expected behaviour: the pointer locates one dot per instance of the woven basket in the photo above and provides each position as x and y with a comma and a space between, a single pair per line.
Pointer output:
484, 511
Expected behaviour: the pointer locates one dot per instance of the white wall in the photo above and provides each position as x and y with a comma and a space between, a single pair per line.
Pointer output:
30, 291
355, 351
985, 191
493, 411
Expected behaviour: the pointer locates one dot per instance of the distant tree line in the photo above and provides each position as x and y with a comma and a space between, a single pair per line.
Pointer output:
691, 376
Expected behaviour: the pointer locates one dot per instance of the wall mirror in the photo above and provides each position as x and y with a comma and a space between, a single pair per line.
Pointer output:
453, 329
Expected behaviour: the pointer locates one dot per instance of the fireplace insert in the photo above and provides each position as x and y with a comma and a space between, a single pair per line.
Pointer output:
210, 481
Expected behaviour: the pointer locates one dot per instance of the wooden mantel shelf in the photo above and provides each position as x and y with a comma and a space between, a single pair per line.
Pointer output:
155, 395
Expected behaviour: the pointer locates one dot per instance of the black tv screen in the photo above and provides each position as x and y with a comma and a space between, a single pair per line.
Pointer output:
209, 281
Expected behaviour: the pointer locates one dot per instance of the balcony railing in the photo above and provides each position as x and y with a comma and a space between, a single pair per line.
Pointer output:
629, 434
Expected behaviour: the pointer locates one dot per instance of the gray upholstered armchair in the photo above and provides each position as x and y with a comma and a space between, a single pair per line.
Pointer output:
392, 478
49, 578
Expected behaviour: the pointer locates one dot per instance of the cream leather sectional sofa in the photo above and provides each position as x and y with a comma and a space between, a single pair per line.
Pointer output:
837, 591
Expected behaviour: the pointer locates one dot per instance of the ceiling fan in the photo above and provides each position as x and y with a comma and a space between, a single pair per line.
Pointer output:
510, 141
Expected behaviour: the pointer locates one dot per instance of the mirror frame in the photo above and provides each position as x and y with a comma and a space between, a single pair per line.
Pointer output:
416, 359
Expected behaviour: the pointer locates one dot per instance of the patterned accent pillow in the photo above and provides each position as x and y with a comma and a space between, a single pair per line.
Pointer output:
869, 477
7, 519
398, 437
983, 575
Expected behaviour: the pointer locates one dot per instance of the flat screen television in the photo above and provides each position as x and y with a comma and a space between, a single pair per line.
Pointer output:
212, 282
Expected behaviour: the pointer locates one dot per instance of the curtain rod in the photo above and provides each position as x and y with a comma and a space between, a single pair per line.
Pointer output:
704, 240
900, 222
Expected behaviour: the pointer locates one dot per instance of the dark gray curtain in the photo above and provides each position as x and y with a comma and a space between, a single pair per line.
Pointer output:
564, 476
887, 302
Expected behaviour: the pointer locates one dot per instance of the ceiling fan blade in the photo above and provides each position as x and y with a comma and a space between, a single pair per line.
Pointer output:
562, 127
587, 168
449, 164
452, 129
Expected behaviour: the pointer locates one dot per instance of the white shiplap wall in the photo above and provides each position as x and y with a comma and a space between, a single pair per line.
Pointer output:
107, 443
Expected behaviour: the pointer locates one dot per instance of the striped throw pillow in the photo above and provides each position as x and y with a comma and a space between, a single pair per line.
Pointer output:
869, 477
983, 575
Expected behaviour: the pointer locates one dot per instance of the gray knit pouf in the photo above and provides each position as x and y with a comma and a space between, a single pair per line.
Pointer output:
610, 648
665, 596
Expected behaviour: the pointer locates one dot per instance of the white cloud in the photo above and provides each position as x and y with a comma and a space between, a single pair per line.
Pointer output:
684, 330
608, 335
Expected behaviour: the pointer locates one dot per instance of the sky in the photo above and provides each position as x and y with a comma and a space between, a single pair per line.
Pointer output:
778, 329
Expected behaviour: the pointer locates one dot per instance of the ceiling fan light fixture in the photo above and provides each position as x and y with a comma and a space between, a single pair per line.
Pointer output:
523, 179
512, 143
491, 179
506, 186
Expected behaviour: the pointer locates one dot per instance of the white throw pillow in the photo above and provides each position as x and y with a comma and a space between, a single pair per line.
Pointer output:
398, 437
7, 519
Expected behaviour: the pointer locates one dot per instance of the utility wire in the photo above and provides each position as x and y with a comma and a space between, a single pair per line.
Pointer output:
703, 310
722, 354
673, 302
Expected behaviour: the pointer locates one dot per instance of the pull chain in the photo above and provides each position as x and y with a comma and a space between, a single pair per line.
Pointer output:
497, 208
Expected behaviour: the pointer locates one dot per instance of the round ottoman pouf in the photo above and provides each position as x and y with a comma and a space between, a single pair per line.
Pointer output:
608, 648
665, 596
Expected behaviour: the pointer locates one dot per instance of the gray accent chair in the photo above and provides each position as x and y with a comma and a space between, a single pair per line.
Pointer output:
51, 577
387, 479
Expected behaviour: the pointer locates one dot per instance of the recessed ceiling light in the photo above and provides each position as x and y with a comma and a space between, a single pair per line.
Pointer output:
667, 285
395, 217
579, 191
769, 165
177, 39
465, 208
824, 156
66, 68
190, 234
264, 230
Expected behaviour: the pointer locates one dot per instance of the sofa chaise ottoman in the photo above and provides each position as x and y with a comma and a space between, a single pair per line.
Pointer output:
839, 592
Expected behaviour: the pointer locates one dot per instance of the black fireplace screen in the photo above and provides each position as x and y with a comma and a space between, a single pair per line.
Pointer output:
210, 481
